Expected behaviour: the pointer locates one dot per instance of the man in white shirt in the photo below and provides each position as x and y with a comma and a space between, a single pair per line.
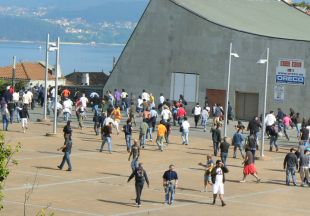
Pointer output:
197, 113
161, 98
145, 95
15, 97
31, 98
26, 99
67, 107
84, 101
166, 114
185, 131
270, 119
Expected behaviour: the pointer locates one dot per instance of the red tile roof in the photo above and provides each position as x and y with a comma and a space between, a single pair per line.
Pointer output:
26, 71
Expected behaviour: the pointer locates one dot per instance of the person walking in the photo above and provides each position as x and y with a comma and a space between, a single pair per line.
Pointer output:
218, 180
161, 133
117, 117
168, 127
23, 114
304, 161
66, 149
237, 141
197, 113
128, 134
252, 145
286, 123
106, 137
67, 108
249, 167
273, 138
143, 130
207, 176
96, 120
270, 119
254, 126
170, 183
204, 118
185, 131
135, 153
216, 138
304, 135
5, 116
290, 164
224, 147
140, 177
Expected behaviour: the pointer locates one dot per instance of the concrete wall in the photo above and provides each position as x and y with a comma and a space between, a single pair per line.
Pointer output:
171, 39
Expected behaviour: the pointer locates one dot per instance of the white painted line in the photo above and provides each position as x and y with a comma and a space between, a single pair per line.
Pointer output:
39, 174
55, 209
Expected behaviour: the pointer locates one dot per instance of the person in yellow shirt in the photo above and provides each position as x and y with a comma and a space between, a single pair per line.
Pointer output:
152, 100
117, 117
161, 133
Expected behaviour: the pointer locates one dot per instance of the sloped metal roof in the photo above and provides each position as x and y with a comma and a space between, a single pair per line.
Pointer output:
271, 18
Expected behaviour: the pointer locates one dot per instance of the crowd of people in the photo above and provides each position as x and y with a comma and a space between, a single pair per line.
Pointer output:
160, 116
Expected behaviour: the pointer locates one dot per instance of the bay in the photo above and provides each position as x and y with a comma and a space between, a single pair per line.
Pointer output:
78, 57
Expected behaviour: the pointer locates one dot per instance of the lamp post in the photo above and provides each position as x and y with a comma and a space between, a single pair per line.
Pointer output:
56, 87
14, 71
227, 88
46, 76
264, 61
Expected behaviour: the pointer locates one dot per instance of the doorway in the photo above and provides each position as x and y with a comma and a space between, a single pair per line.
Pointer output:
246, 105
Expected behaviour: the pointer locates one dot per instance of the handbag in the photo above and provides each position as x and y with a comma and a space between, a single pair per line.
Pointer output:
181, 129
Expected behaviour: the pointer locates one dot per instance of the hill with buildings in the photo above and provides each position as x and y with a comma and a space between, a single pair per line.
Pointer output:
102, 21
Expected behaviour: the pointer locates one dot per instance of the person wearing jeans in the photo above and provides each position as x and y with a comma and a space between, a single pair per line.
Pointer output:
290, 165
5, 115
216, 138
304, 168
143, 130
106, 137
237, 143
273, 138
128, 133
224, 146
170, 182
66, 148
135, 153
161, 133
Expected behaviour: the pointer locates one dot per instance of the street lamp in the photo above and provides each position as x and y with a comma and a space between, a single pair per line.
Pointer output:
227, 88
50, 47
56, 85
14, 72
264, 61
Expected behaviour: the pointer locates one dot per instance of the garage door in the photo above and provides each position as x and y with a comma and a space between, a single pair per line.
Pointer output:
246, 105
216, 96
185, 84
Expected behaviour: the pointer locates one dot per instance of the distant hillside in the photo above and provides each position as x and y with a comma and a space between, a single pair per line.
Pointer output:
102, 21
109, 11
21, 28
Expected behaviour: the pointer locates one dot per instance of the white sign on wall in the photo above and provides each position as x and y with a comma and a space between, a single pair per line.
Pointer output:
290, 72
279, 93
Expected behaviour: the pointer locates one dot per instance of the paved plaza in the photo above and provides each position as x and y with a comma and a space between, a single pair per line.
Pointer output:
98, 183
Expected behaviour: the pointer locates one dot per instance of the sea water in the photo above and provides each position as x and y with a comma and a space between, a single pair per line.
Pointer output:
78, 57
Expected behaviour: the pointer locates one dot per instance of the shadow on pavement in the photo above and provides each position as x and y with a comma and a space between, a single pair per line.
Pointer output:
114, 174
44, 167
117, 202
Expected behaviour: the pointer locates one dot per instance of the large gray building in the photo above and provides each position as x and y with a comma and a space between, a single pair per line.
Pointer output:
182, 47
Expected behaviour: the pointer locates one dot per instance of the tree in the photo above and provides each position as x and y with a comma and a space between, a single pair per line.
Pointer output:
7, 152
20, 85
